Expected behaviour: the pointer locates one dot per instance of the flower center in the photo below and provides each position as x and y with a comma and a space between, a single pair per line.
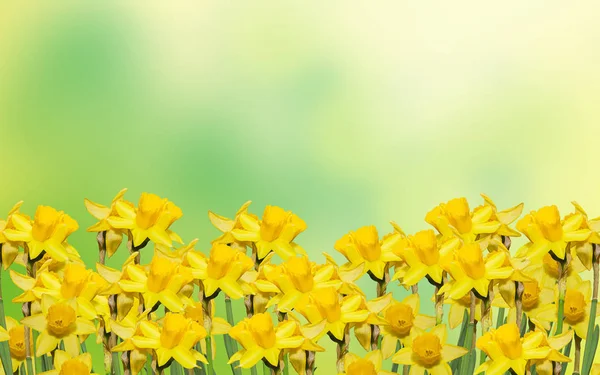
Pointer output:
509, 339
16, 342
574, 306
273, 220
61, 319
531, 294
45, 221
400, 317
459, 215
161, 270
366, 240
74, 281
74, 367
261, 327
428, 349
425, 245
149, 209
173, 330
548, 219
300, 272
328, 303
220, 261
470, 258
361, 367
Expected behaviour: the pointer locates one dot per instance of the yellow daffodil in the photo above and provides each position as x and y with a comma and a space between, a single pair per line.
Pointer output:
400, 318
456, 216
218, 326
65, 363
537, 304
299, 357
125, 300
48, 232
423, 255
583, 250
507, 350
371, 364
505, 218
58, 322
458, 307
547, 233
364, 330
16, 341
126, 329
326, 304
275, 232
428, 351
9, 249
347, 274
151, 220
174, 339
544, 365
260, 339
112, 236
162, 282
364, 247
221, 271
471, 271
577, 305
294, 280
226, 226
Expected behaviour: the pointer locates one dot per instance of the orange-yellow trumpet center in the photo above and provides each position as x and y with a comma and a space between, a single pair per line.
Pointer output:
574, 306
427, 349
61, 319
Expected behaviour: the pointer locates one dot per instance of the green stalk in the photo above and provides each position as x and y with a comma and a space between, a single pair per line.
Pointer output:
39, 363
176, 368
231, 344
588, 352
500, 319
469, 359
461, 342
4, 349
577, 362
395, 365
200, 368
209, 354
562, 288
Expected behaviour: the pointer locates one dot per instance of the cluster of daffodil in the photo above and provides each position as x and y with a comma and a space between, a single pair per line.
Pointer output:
525, 312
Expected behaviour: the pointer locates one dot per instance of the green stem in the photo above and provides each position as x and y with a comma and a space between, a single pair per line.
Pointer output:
209, 354
461, 342
395, 365
567, 353
562, 286
589, 351
176, 368
4, 349
469, 358
230, 344
500, 319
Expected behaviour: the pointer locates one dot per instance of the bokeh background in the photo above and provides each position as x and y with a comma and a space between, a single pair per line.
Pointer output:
347, 113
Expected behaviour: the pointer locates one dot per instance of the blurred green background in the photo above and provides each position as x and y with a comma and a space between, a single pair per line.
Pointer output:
346, 113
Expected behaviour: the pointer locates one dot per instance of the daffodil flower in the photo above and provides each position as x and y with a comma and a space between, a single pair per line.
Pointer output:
58, 322
507, 350
583, 250
126, 329
325, 304
275, 232
9, 249
125, 300
369, 365
364, 247
113, 235
299, 356
226, 226
456, 217
48, 232
428, 351
364, 330
422, 255
174, 339
160, 283
16, 341
544, 366
65, 363
223, 270
260, 339
400, 319
458, 307
505, 218
537, 303
470, 271
577, 305
294, 280
547, 233
347, 274
151, 220
218, 326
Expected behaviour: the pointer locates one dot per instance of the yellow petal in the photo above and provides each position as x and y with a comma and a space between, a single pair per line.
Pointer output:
450, 352
403, 357
45, 343
96, 210
184, 357
251, 357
